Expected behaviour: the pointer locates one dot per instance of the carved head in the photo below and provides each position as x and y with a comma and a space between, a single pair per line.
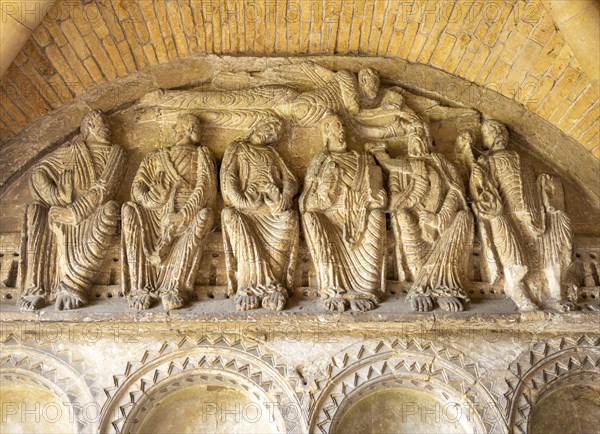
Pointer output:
419, 139
94, 123
334, 133
267, 131
495, 135
187, 127
369, 82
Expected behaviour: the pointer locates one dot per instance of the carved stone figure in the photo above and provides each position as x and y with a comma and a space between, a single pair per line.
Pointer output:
556, 242
301, 93
260, 230
68, 228
385, 114
174, 193
499, 202
343, 216
432, 223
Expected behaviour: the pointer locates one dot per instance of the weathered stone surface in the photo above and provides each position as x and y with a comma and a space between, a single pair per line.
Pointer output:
457, 187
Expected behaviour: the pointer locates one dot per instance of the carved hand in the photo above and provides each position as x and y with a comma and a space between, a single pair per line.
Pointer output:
172, 225
428, 218
61, 215
377, 149
159, 191
378, 200
273, 197
152, 98
253, 196
464, 143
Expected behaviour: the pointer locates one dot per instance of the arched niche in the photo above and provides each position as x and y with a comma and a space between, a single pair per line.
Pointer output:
545, 381
373, 385
569, 407
31, 404
205, 402
38, 385
185, 372
405, 407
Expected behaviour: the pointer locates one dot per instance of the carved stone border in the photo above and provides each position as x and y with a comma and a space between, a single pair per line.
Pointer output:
55, 371
374, 366
417, 382
207, 362
544, 367
207, 377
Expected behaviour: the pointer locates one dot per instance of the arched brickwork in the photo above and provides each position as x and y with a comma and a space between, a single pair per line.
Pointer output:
512, 47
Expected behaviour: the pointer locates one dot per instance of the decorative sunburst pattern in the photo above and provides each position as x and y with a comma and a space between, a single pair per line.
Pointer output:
543, 367
205, 361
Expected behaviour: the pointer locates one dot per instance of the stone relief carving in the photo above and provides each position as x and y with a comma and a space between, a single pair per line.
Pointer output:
546, 367
342, 209
556, 243
302, 93
510, 218
420, 364
431, 221
174, 193
67, 229
260, 230
521, 225
62, 373
497, 191
207, 360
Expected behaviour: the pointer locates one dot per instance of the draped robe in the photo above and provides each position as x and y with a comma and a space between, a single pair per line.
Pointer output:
339, 95
344, 224
155, 259
505, 211
260, 244
60, 257
433, 258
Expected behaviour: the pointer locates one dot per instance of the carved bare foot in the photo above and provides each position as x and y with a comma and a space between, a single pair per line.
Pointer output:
171, 300
33, 298
65, 301
247, 302
32, 302
422, 303
562, 305
450, 304
274, 301
140, 299
68, 298
362, 305
336, 304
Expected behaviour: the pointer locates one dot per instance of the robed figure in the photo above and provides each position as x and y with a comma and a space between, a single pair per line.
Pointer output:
514, 212
67, 230
171, 212
260, 228
432, 224
343, 216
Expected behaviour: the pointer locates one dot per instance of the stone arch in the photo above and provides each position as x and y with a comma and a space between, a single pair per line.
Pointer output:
577, 396
431, 402
204, 363
45, 371
544, 368
364, 369
174, 386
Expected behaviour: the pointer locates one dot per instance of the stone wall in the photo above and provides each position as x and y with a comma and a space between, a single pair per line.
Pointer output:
494, 364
